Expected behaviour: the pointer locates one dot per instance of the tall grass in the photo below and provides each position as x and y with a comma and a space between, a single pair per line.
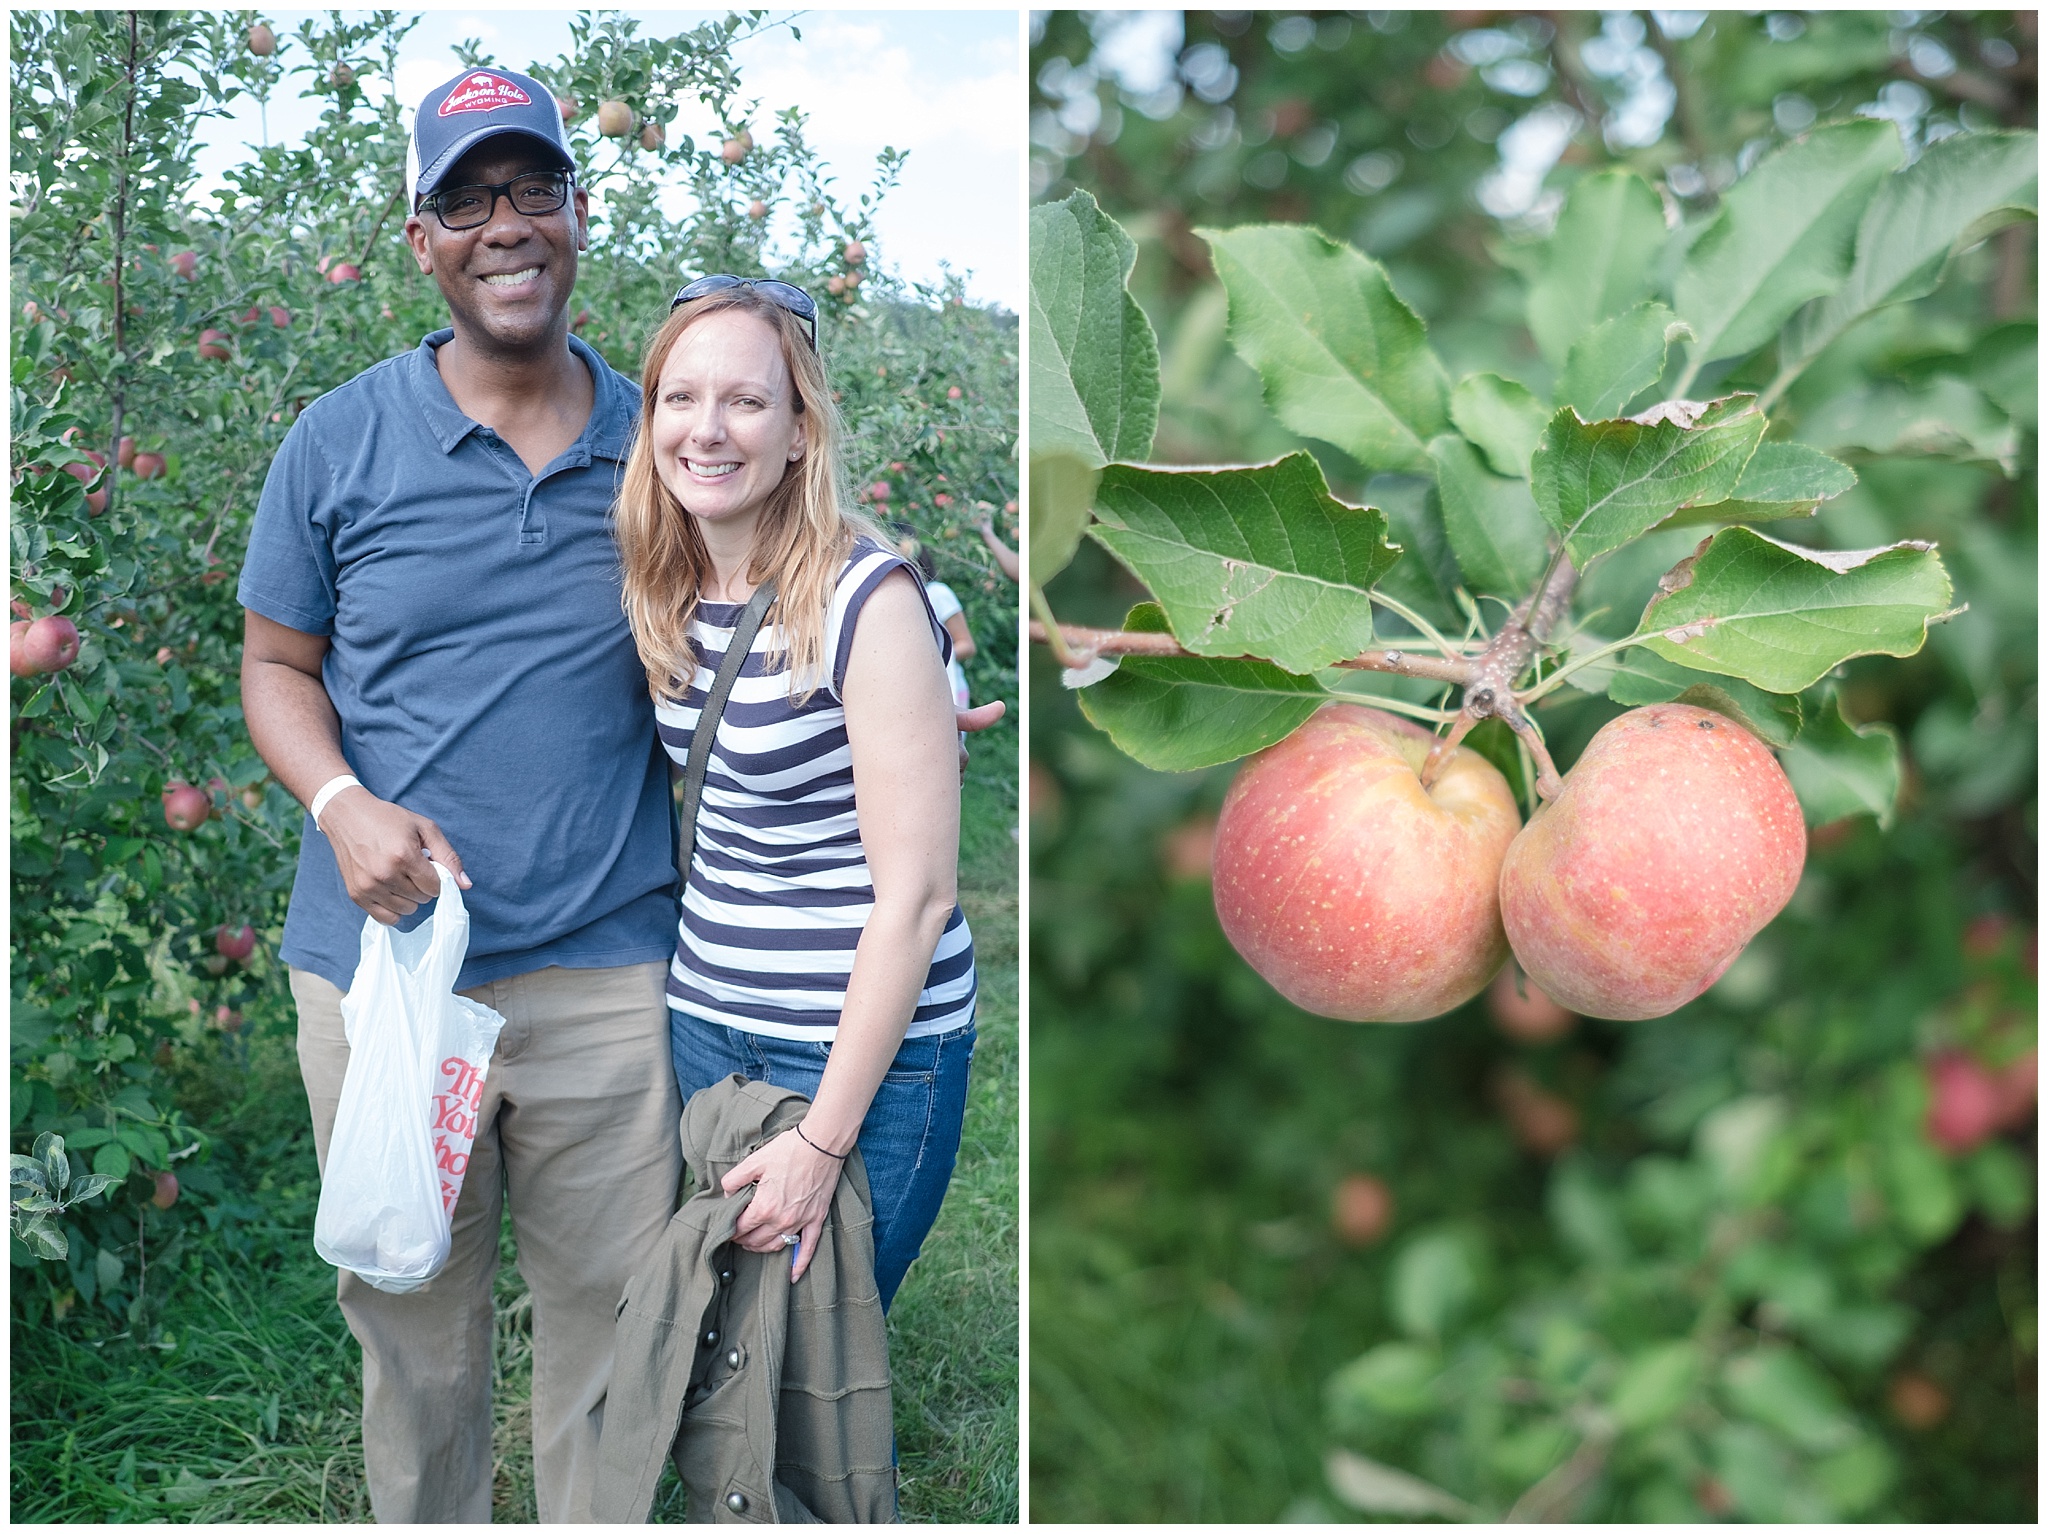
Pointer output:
247, 1407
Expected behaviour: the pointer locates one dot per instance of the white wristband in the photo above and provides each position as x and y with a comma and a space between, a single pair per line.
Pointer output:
327, 792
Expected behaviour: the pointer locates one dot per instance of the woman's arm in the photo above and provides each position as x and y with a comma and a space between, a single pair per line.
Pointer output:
900, 726
1006, 556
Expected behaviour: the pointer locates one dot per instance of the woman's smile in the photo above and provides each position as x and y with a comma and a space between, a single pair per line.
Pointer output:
725, 427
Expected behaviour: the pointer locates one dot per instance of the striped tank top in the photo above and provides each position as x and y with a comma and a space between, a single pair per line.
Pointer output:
778, 889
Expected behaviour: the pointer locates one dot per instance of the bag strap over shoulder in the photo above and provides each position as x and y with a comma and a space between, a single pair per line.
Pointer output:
707, 720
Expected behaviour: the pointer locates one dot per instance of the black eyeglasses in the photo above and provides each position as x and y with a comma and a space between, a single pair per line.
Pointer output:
467, 207
786, 295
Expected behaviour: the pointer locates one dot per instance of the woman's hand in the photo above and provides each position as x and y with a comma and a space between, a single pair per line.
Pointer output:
794, 1193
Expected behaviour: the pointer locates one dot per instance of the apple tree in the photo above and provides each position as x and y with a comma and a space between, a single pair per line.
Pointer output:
1641, 454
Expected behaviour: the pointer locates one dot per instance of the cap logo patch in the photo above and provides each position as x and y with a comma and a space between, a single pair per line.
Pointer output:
484, 92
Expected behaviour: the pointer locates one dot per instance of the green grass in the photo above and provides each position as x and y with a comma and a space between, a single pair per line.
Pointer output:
247, 1407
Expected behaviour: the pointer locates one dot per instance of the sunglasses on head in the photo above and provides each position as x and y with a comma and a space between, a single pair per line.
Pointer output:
786, 295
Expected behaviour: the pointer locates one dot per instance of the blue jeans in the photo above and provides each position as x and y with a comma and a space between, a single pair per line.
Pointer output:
908, 1140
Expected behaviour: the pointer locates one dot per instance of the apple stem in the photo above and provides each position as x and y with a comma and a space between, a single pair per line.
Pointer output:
1490, 689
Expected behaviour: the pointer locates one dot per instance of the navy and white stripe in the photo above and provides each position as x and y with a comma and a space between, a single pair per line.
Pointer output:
778, 890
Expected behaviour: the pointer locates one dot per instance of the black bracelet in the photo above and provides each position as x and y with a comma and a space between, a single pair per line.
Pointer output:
814, 1145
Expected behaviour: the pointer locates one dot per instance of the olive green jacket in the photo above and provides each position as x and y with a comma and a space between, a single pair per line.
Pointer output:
773, 1397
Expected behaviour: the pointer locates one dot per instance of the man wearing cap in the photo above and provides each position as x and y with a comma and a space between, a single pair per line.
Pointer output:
437, 664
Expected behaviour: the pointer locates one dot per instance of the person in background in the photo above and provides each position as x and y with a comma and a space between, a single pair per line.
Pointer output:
945, 607
1006, 557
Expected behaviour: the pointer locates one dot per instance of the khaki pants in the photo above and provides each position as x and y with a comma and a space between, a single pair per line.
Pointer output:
579, 1127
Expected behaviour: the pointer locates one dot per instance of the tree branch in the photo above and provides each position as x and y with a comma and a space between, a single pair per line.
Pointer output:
1086, 643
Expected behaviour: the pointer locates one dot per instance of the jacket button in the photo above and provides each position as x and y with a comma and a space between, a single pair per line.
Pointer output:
736, 1501
732, 1359
725, 1275
710, 1337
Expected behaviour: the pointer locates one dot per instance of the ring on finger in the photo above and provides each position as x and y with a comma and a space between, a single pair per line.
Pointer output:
790, 1238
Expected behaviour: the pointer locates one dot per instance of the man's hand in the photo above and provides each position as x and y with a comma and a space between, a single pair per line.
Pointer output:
383, 852
970, 721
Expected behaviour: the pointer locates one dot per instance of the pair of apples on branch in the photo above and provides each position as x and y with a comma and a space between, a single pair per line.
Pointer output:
1369, 862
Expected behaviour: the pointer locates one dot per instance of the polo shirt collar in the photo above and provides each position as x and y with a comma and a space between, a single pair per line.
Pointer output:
614, 412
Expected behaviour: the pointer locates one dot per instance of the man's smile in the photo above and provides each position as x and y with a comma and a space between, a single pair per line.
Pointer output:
516, 279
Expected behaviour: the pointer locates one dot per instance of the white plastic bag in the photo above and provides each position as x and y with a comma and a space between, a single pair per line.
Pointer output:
418, 1056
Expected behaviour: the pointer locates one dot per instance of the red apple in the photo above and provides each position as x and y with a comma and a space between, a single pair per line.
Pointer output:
567, 106
1361, 1209
281, 316
1354, 891
343, 77
1917, 1401
185, 263
235, 943
1189, 849
262, 41
732, 151
51, 644
124, 453
149, 465
879, 490
211, 347
1964, 1102
757, 209
855, 253
582, 319
186, 808
252, 797
614, 119
250, 315
653, 136
1526, 1015
942, 500
1677, 837
228, 1019
166, 1193
1539, 1119
17, 657
2018, 1086
344, 271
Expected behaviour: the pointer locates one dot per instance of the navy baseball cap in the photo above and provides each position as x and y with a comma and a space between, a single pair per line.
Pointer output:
478, 104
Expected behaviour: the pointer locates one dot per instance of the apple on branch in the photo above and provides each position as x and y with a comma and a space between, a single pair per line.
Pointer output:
1356, 892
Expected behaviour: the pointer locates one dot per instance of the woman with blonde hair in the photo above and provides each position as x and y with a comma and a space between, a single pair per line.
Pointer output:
820, 945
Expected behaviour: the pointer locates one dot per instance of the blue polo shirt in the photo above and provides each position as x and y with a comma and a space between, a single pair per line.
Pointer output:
480, 663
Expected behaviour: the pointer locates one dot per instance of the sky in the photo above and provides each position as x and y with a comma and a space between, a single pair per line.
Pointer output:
946, 85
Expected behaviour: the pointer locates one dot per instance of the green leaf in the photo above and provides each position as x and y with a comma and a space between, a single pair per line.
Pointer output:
1602, 483
1395, 1379
1094, 359
1062, 493
1915, 222
1838, 769
1260, 561
1177, 715
2005, 365
1920, 1188
107, 1268
1342, 358
1607, 239
1434, 1279
1780, 1389
1654, 1384
1783, 617
1945, 418
1783, 236
111, 1161
44, 1237
1781, 479
1494, 528
1616, 360
1640, 676
1501, 418
1856, 1479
